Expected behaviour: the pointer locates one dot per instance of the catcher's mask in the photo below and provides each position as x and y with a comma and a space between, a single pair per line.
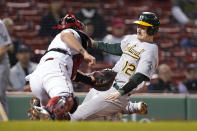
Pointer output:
70, 21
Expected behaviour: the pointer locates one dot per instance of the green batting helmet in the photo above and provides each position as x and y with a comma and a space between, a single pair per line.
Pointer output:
149, 19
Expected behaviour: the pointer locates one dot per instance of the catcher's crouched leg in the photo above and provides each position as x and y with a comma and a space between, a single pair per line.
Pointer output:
59, 106
32, 113
56, 109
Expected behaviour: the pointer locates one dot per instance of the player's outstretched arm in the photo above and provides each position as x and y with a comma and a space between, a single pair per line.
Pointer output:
129, 86
113, 49
99, 80
137, 79
72, 42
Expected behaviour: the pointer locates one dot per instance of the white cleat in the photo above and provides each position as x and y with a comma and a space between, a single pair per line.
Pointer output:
139, 108
142, 108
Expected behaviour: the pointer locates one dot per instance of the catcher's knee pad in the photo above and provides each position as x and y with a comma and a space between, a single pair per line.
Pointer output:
59, 107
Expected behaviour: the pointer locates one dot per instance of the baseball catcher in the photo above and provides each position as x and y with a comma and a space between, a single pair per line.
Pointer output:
51, 82
100, 80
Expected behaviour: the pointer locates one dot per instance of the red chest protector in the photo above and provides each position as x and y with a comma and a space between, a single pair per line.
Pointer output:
77, 60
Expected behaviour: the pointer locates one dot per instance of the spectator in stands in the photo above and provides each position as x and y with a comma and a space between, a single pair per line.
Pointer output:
190, 84
89, 31
89, 27
23, 67
89, 12
51, 19
15, 41
5, 42
118, 33
164, 83
189, 42
185, 11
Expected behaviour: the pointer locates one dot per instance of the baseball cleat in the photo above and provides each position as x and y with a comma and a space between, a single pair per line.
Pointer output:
38, 113
34, 102
137, 107
142, 108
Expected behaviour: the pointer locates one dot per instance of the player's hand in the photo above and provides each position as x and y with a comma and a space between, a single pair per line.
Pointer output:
90, 59
91, 75
113, 96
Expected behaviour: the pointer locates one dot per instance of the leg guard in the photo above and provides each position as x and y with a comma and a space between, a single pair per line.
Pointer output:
59, 107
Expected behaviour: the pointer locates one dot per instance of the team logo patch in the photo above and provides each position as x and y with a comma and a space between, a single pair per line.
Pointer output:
129, 50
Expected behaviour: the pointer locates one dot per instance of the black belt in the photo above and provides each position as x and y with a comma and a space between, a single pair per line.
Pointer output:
58, 50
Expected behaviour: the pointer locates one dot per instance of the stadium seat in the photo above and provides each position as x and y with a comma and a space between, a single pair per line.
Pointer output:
36, 41
189, 59
180, 52
25, 33
169, 29
166, 45
18, 5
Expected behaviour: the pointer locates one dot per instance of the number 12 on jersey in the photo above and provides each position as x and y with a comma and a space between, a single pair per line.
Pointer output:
128, 68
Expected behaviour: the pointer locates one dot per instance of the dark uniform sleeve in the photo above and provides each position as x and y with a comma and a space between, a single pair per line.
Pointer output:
81, 77
137, 79
113, 49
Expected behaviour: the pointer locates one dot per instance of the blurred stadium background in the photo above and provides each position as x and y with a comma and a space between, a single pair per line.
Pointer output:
32, 26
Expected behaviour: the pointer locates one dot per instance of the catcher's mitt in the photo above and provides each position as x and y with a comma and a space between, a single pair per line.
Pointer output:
103, 79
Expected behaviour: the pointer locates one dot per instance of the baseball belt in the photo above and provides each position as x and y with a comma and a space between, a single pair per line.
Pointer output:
58, 50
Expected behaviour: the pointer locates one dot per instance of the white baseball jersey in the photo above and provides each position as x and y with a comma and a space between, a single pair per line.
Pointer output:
58, 43
137, 56
53, 77
4, 41
4, 65
4, 36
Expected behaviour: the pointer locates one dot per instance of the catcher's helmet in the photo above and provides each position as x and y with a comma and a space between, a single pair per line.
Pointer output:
149, 19
69, 21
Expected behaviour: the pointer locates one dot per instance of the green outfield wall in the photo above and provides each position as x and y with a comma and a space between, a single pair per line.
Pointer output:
160, 107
